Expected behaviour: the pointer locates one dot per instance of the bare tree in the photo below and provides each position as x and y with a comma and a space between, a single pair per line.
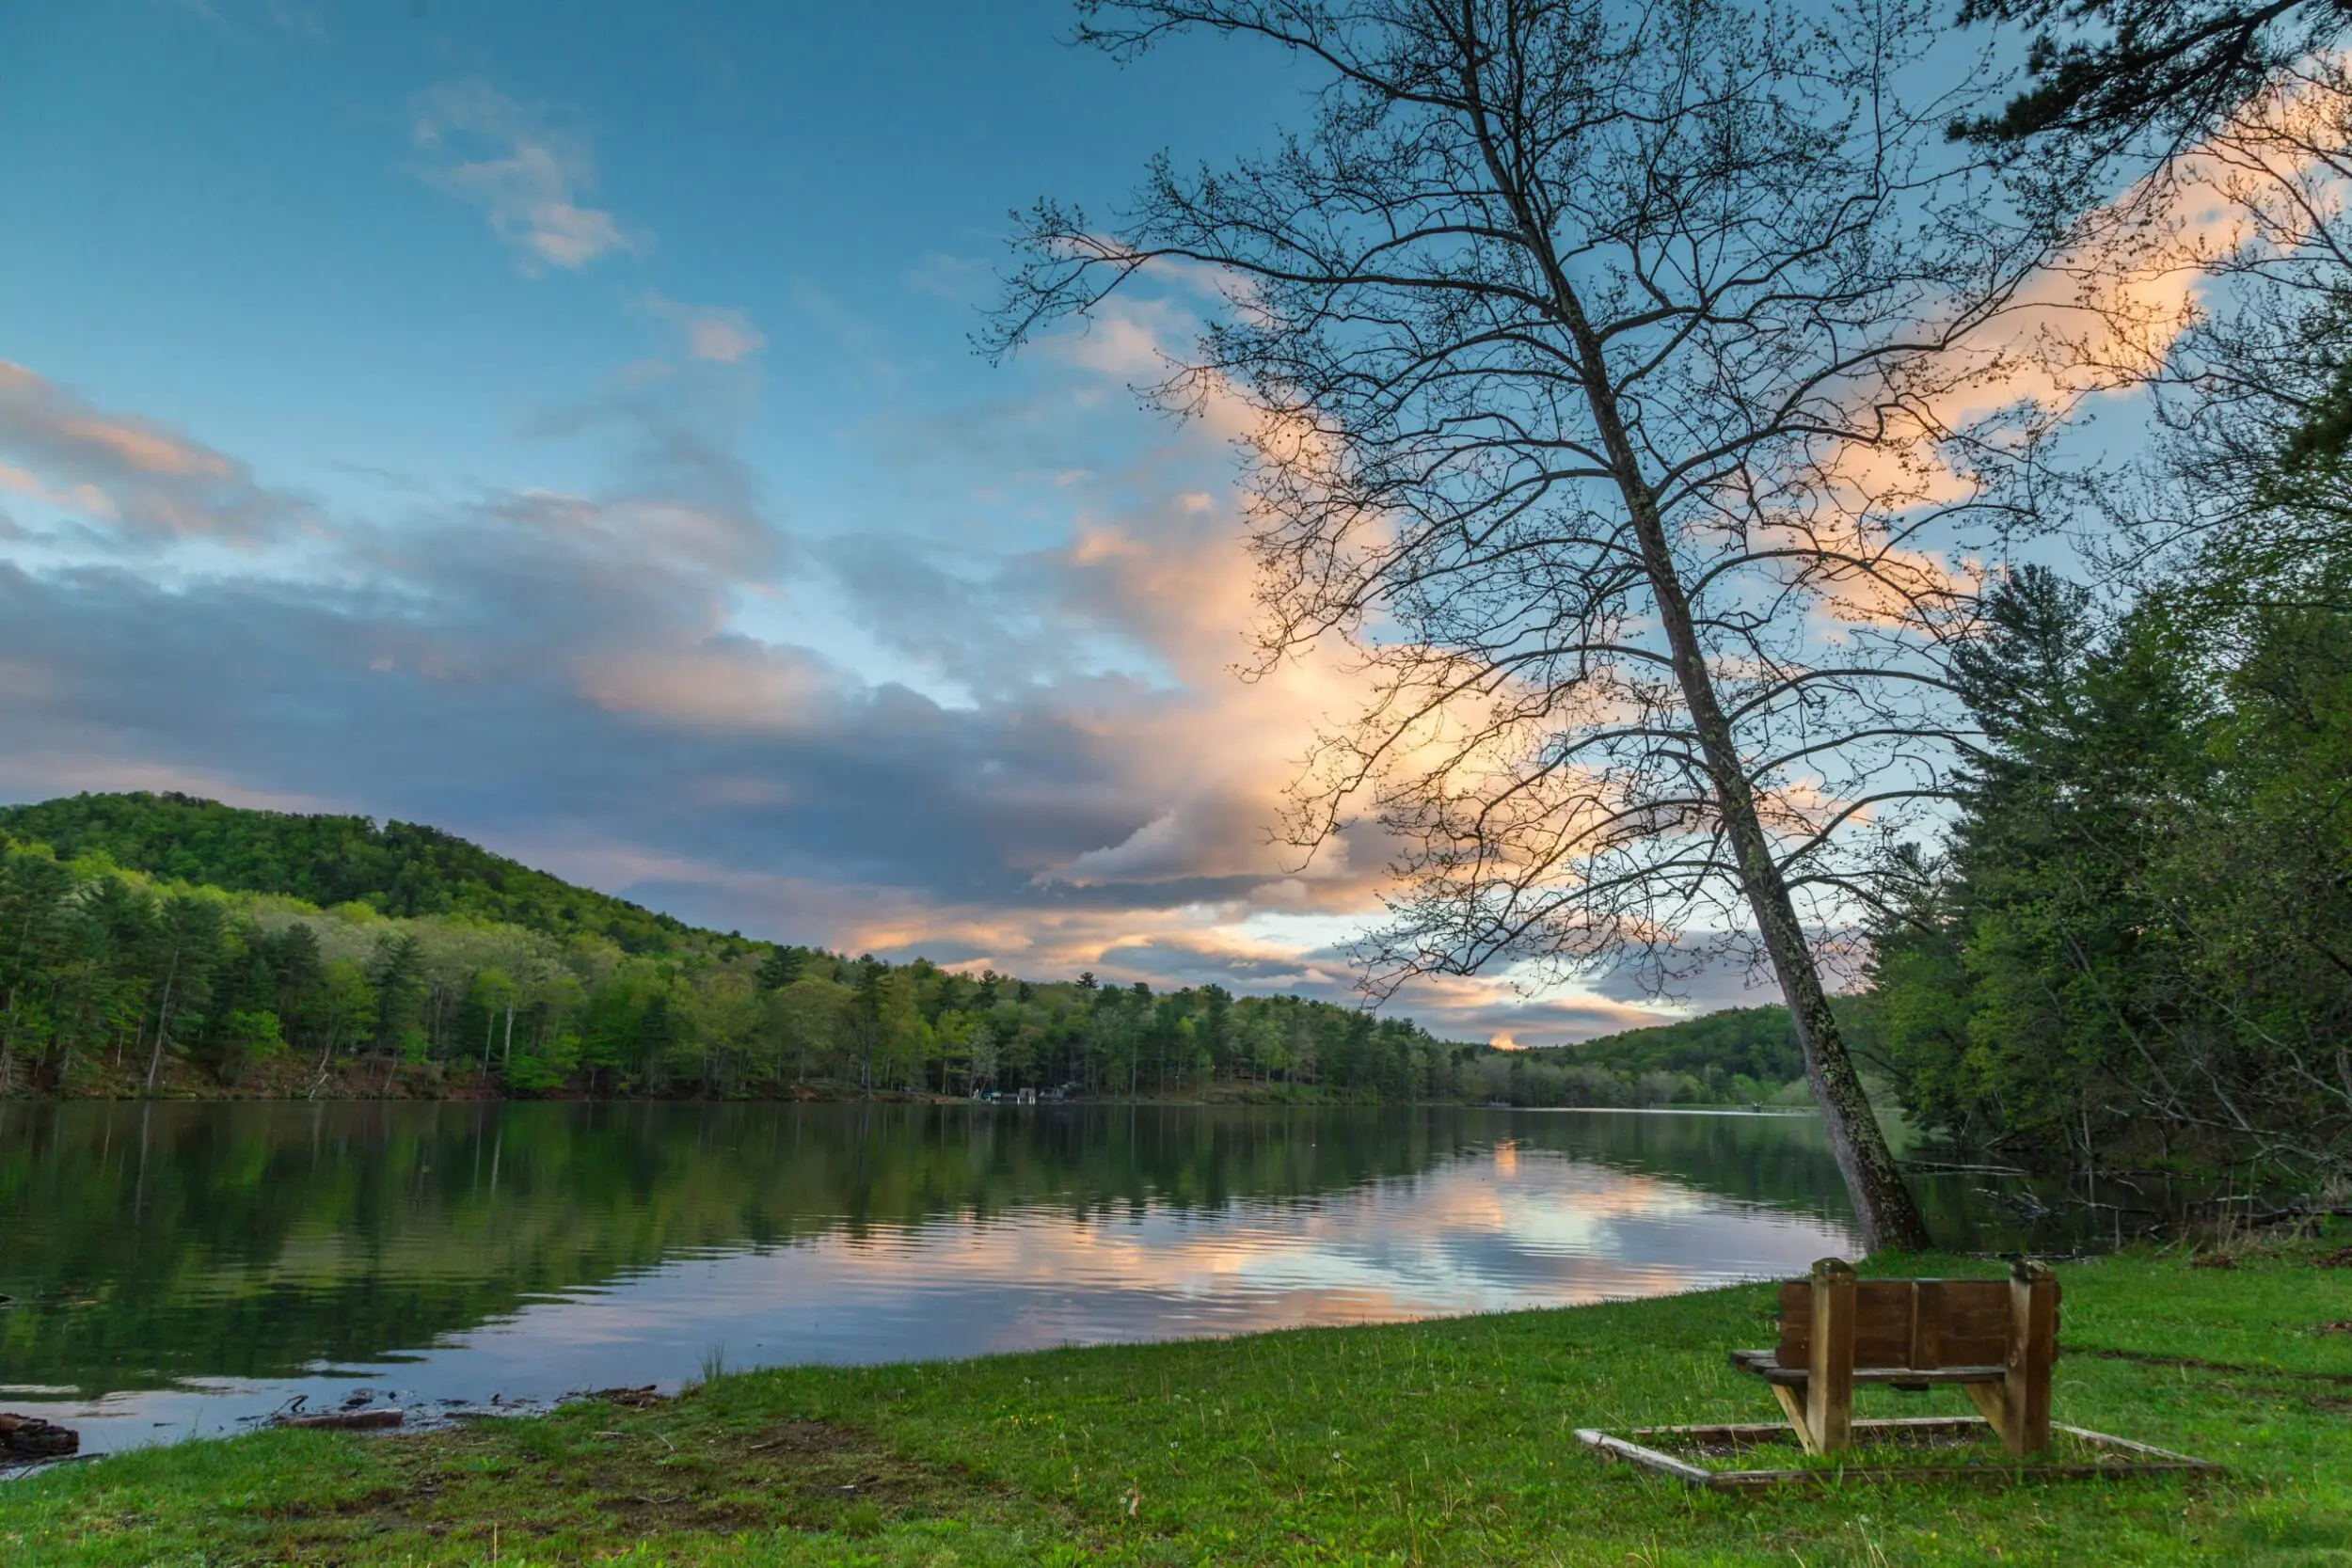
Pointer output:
1605, 361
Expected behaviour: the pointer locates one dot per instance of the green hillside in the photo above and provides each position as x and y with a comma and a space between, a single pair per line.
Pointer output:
165, 944
1738, 1054
157, 951
400, 868
1760, 1043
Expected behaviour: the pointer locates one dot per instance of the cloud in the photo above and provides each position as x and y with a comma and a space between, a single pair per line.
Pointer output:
723, 683
708, 332
613, 681
287, 16
302, 20
134, 478
201, 9
525, 174
967, 280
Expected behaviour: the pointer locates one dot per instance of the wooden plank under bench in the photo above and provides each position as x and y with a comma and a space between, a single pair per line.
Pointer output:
2149, 1459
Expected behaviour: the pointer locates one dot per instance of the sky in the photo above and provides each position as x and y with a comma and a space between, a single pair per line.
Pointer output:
559, 424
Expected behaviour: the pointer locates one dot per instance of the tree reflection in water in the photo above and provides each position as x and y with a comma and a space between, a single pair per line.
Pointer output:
147, 1245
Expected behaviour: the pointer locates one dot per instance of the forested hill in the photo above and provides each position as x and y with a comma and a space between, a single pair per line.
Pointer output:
160, 943
1760, 1043
1742, 1054
400, 868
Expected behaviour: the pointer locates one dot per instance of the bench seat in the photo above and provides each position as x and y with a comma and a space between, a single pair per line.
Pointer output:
1766, 1365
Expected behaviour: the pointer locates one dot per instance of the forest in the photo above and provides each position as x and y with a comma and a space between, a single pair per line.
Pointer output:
162, 944
2135, 947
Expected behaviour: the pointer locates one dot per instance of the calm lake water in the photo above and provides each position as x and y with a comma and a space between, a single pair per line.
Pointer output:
179, 1269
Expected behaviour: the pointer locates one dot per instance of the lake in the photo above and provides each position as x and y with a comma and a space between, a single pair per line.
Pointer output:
178, 1269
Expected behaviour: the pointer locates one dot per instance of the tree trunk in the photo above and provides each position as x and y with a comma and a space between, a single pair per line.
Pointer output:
1883, 1204
163, 1021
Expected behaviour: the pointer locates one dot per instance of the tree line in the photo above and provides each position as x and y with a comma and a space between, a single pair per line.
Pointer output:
396, 869
106, 975
113, 981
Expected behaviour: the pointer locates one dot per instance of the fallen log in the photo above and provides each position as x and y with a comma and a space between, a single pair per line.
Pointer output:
636, 1399
30, 1438
344, 1421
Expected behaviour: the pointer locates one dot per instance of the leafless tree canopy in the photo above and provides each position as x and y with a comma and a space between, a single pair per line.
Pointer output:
1772, 256
1622, 376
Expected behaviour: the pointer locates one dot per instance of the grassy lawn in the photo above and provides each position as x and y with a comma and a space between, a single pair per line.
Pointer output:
1443, 1443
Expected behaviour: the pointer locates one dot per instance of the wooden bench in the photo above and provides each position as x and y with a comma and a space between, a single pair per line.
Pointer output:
1996, 1339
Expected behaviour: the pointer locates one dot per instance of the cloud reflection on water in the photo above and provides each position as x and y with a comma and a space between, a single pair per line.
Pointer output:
1490, 1228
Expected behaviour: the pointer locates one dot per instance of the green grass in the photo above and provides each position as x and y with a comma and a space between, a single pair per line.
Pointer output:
1443, 1443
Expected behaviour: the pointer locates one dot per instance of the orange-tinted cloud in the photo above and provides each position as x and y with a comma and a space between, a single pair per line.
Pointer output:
132, 476
569, 675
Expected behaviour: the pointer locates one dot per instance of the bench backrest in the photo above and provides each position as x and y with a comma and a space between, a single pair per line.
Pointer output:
1921, 1324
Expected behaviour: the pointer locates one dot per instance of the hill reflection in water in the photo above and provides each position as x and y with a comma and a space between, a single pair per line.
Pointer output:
192, 1263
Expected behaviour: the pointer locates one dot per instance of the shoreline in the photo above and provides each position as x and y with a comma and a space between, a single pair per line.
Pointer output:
1442, 1440
1305, 1099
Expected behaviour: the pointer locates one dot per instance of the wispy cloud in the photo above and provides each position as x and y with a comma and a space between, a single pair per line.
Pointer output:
302, 20
707, 332
570, 674
288, 16
201, 9
527, 175
132, 479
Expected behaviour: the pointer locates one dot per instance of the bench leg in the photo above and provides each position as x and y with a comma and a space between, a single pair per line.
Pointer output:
2033, 1346
1987, 1398
2018, 1406
1829, 1380
1793, 1407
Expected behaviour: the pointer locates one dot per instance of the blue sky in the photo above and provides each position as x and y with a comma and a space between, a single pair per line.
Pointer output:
556, 424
